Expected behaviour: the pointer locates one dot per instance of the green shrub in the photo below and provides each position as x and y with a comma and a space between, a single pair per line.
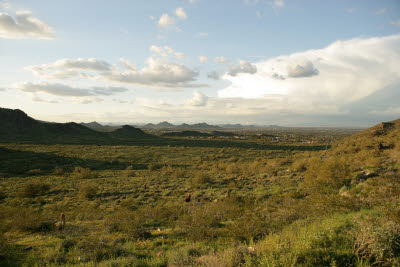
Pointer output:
249, 226
379, 242
129, 172
200, 178
84, 173
24, 219
127, 222
88, 191
33, 189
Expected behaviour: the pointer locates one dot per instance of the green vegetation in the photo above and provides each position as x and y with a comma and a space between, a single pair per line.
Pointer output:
252, 203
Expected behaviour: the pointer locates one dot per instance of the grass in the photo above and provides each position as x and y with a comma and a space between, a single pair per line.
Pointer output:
125, 204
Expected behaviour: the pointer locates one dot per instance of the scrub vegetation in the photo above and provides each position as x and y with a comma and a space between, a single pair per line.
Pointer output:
253, 203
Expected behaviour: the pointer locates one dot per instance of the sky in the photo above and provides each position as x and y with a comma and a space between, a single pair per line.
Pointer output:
283, 62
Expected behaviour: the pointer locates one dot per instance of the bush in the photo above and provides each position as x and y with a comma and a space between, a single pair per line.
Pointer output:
33, 189
200, 178
129, 172
88, 191
250, 226
24, 219
83, 173
128, 222
379, 242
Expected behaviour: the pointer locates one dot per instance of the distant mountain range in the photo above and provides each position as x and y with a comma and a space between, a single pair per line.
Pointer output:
167, 125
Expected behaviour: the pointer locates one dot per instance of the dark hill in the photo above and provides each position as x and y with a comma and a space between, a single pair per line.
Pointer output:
186, 134
127, 132
16, 126
219, 133
15, 121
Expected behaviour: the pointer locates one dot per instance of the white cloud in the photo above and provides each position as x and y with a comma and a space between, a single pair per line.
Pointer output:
67, 68
192, 1
152, 17
180, 13
350, 10
304, 68
166, 51
203, 59
160, 70
381, 11
24, 26
166, 21
220, 59
213, 75
198, 100
58, 89
242, 67
349, 71
127, 65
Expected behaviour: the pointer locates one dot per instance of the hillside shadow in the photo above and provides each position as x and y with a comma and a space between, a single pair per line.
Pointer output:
176, 142
160, 141
24, 163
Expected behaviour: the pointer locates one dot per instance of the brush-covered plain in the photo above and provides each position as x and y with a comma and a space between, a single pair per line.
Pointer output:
250, 204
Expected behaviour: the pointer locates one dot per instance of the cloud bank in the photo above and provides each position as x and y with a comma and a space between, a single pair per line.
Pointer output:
24, 25
322, 80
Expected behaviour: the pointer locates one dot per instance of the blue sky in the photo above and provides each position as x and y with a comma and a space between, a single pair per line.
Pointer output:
303, 62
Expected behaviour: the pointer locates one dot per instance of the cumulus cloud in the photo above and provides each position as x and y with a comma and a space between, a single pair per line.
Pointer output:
213, 75
58, 89
67, 68
198, 100
180, 13
159, 70
242, 67
203, 59
23, 26
127, 65
220, 59
277, 76
301, 69
166, 21
349, 71
166, 51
